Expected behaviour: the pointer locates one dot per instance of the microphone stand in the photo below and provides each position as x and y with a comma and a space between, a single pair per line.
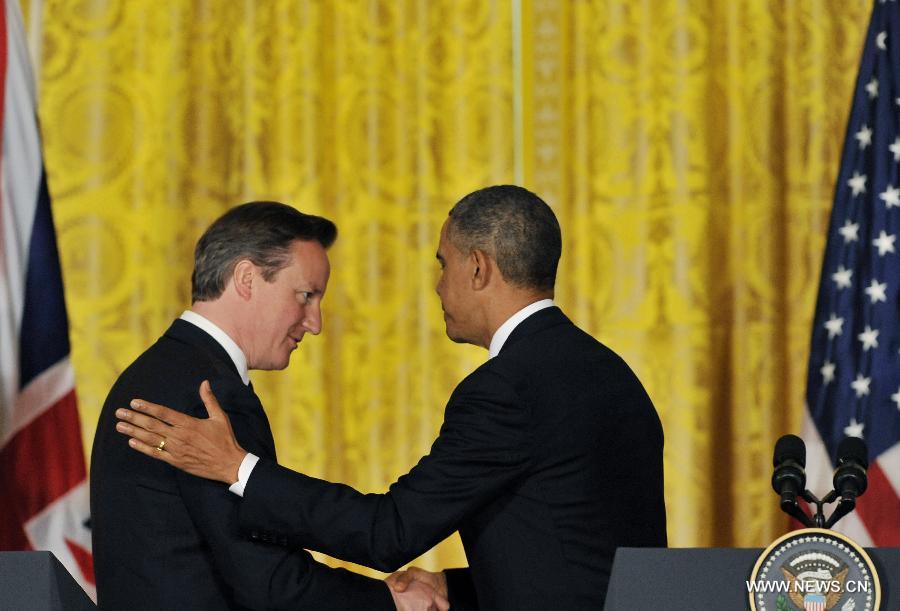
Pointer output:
792, 508
818, 517
844, 507
817, 520
849, 480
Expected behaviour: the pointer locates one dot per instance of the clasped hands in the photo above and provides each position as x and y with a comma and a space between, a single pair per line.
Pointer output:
207, 448
416, 589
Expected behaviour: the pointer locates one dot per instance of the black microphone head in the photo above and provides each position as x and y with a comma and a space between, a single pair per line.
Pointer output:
789, 478
850, 479
853, 449
789, 447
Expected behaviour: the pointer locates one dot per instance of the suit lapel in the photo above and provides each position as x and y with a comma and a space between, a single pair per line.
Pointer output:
263, 431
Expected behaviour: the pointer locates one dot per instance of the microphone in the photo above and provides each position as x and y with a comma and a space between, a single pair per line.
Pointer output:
850, 479
789, 478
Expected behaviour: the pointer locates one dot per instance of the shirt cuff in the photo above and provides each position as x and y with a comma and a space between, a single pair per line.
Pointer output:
244, 472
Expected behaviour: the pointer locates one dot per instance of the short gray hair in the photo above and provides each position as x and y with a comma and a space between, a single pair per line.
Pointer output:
261, 232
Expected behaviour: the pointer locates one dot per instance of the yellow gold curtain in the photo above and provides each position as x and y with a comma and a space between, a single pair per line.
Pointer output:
689, 148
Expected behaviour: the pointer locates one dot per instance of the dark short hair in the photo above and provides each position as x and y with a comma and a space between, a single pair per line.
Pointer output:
261, 232
516, 227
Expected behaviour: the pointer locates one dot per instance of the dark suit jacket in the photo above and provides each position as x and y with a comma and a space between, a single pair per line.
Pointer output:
549, 458
164, 539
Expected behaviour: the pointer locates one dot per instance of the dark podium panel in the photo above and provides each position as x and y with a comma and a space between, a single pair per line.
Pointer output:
710, 578
37, 581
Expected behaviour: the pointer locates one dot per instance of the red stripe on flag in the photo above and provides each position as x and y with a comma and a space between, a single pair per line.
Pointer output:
85, 560
38, 465
879, 509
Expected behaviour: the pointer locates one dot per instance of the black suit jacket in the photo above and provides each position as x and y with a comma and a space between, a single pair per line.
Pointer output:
164, 539
549, 458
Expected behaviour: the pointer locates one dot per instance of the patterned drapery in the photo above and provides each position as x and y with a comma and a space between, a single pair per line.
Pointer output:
688, 147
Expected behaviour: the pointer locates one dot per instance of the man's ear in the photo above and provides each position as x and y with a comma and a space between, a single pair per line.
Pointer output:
243, 276
483, 267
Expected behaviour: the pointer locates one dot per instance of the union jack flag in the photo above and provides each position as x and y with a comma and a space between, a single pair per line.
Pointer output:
42, 472
853, 383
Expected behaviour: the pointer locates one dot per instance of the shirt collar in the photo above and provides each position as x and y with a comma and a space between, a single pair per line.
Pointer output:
233, 350
502, 334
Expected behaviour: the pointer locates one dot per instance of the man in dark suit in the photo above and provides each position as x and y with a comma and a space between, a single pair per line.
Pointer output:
163, 539
549, 457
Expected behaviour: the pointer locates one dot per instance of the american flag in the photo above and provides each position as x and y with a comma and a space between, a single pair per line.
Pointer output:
853, 383
42, 470
814, 602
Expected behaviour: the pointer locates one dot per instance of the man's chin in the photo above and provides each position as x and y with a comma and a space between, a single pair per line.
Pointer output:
278, 365
455, 337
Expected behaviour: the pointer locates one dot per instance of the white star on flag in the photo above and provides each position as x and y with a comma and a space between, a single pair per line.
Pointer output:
872, 88
869, 338
895, 148
884, 243
842, 277
855, 429
857, 183
835, 326
876, 291
861, 385
850, 231
890, 196
864, 135
880, 41
828, 373
896, 398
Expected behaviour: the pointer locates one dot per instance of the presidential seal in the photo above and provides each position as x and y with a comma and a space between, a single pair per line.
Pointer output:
814, 569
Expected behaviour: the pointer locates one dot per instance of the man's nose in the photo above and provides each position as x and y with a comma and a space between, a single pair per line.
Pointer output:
312, 319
